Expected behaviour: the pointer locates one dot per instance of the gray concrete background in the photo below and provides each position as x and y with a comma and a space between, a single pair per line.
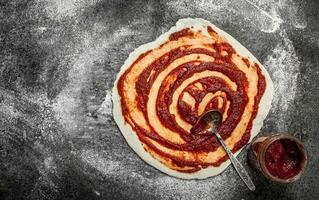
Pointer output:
58, 62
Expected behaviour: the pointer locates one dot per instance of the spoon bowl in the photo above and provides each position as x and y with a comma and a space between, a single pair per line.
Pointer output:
212, 120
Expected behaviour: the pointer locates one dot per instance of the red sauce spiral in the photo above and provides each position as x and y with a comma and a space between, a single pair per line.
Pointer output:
165, 90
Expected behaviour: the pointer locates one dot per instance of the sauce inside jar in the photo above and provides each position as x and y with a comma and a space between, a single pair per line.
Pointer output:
283, 158
279, 157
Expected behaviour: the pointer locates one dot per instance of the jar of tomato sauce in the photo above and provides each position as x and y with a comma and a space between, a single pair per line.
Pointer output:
281, 158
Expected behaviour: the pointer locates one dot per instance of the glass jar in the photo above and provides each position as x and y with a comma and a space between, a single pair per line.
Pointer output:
281, 158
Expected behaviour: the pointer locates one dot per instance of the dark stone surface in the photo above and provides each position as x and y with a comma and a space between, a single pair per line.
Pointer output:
58, 62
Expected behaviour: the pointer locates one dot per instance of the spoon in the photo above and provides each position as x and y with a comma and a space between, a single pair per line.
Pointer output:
213, 119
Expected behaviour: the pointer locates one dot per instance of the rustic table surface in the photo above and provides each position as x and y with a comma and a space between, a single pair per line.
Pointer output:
59, 60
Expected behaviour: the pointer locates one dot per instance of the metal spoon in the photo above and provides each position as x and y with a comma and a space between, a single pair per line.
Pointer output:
213, 120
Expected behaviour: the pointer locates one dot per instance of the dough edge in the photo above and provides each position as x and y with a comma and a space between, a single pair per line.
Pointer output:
132, 139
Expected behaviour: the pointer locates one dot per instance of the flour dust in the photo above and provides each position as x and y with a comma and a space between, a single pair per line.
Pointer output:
283, 65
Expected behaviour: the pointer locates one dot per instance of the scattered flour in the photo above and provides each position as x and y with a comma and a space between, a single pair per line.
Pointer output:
294, 13
172, 186
96, 192
9, 111
266, 15
267, 21
49, 164
283, 65
96, 160
106, 107
68, 102
236, 11
58, 9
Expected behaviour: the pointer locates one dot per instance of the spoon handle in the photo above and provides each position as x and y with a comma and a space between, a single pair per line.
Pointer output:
237, 165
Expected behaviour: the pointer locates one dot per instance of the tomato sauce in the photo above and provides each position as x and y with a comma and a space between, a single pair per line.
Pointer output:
194, 141
283, 159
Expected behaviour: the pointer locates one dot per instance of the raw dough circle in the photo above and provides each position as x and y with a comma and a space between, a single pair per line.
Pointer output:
125, 125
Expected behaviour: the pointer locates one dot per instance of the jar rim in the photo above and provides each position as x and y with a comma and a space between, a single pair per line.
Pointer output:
262, 152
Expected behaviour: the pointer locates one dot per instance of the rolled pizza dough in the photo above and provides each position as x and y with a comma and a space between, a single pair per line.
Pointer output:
133, 121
